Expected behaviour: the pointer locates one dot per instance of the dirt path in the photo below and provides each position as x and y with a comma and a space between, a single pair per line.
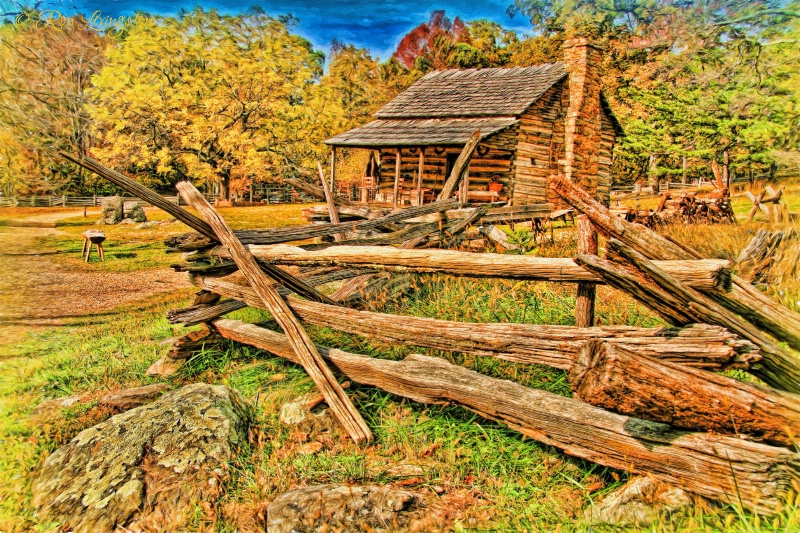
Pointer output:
36, 291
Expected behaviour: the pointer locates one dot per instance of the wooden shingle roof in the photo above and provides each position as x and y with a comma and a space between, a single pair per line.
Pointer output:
419, 132
474, 92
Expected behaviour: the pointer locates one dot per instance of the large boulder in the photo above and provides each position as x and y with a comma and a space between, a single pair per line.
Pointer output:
346, 508
112, 210
144, 469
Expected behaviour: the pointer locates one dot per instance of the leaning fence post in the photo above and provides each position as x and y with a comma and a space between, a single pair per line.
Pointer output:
584, 302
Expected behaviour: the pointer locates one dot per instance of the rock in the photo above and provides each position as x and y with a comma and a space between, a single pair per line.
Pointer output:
112, 210
130, 398
147, 468
299, 410
310, 448
404, 470
638, 503
127, 221
166, 366
55, 405
345, 508
135, 213
148, 225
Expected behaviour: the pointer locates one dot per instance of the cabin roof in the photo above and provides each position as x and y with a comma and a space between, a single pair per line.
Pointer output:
474, 92
420, 131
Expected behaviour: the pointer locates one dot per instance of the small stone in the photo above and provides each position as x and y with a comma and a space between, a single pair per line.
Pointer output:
299, 410
147, 225
166, 366
638, 503
345, 508
405, 471
310, 448
130, 398
127, 221
54, 406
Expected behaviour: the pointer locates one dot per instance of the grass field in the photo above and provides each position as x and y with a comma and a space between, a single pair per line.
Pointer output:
483, 476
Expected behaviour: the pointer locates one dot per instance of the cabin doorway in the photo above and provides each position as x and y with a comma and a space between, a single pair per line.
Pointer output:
451, 162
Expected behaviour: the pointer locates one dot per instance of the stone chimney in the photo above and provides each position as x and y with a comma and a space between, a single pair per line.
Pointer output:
583, 118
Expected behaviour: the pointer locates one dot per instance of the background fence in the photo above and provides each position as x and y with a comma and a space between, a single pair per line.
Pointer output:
278, 195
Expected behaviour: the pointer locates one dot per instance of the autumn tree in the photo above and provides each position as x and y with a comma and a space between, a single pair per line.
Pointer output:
45, 72
208, 97
430, 45
690, 80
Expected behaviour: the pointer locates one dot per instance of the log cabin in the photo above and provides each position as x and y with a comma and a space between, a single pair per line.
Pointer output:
533, 122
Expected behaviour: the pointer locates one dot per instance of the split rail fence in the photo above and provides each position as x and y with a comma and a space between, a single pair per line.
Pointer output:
645, 400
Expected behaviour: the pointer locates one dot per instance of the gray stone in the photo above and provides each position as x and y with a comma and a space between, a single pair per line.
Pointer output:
344, 508
148, 225
52, 408
638, 503
127, 221
134, 397
112, 210
404, 470
299, 410
135, 213
146, 468
166, 366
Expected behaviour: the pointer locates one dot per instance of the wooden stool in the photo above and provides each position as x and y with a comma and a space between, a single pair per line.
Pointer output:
93, 237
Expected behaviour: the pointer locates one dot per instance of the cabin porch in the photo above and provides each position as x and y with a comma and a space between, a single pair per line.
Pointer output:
402, 176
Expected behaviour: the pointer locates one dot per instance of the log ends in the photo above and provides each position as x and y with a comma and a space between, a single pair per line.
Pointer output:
616, 378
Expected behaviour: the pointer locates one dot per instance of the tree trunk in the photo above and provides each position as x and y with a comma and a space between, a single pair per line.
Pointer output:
713, 466
619, 379
726, 171
225, 187
652, 172
685, 177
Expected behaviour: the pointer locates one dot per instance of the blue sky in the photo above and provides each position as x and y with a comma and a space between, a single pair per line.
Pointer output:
378, 26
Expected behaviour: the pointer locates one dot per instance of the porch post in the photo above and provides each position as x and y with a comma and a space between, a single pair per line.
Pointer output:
465, 187
419, 174
333, 171
396, 178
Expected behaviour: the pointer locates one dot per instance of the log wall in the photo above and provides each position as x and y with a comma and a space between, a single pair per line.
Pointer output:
496, 161
608, 137
535, 156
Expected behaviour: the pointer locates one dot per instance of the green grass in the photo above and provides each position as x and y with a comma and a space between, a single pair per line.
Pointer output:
477, 475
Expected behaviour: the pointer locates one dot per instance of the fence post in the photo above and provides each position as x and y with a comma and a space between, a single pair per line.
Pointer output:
94, 200
584, 302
